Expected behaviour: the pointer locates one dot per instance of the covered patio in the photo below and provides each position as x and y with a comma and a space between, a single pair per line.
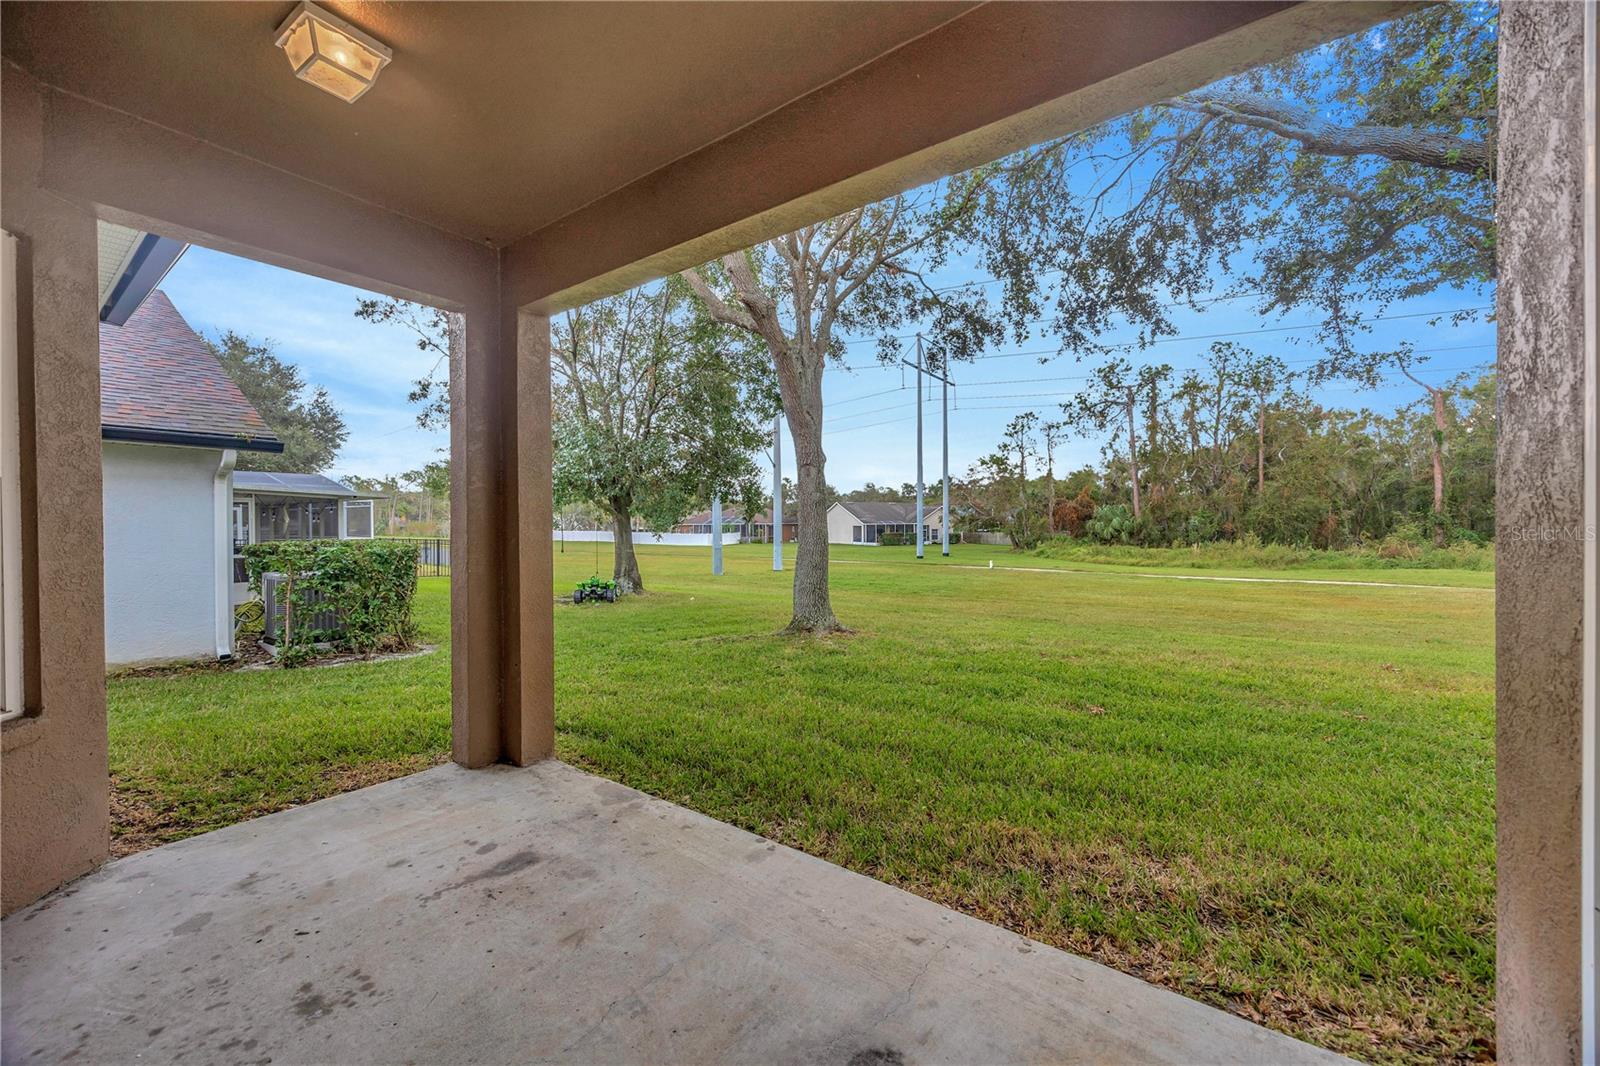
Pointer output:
546, 915
512, 161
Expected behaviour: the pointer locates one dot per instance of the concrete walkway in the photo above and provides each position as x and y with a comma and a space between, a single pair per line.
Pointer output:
545, 915
1161, 576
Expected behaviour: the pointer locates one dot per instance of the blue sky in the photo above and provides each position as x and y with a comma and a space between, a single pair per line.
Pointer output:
367, 369
870, 433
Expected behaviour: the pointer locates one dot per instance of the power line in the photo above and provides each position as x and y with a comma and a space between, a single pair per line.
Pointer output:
867, 396
1046, 273
1086, 377
1068, 392
1206, 336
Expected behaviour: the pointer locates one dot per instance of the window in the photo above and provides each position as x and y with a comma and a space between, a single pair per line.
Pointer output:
11, 695
358, 519
241, 524
855, 534
324, 520
241, 538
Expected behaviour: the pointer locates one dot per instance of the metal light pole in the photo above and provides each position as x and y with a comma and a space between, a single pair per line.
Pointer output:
716, 536
944, 512
777, 492
920, 527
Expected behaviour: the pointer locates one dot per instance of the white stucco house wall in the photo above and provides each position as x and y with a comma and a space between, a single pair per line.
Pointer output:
172, 425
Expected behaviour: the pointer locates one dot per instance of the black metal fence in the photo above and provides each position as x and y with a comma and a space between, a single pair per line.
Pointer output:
433, 554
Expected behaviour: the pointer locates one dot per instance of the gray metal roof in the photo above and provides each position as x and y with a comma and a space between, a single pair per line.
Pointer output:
289, 484
887, 511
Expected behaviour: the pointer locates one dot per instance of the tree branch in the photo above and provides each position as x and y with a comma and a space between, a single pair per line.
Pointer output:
720, 311
1439, 151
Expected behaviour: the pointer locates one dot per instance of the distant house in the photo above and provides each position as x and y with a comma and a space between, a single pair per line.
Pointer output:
851, 522
172, 425
757, 528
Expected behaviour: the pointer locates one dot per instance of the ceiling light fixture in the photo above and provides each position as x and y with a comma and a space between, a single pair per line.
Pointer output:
331, 54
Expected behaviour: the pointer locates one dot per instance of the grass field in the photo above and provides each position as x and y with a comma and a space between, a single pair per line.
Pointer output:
1276, 797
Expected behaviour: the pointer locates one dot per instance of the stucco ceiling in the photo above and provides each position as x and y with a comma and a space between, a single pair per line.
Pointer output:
494, 119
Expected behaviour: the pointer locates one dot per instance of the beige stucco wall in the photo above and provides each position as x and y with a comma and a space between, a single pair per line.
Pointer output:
67, 161
1541, 532
54, 778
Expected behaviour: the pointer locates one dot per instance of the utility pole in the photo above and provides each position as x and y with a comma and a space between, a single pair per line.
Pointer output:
944, 522
920, 527
777, 492
716, 536
944, 480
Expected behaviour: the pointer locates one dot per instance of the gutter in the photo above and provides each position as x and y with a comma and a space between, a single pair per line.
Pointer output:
138, 435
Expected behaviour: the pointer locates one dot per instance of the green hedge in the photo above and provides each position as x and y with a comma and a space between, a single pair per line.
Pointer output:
370, 583
895, 539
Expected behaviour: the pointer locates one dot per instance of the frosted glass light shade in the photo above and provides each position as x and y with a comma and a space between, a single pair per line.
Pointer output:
331, 54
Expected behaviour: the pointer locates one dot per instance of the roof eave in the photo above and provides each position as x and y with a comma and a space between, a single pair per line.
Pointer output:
144, 435
288, 493
148, 263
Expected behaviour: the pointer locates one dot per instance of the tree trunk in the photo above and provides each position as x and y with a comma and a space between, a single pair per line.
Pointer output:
1261, 447
800, 385
813, 609
1438, 468
1050, 494
1133, 460
624, 563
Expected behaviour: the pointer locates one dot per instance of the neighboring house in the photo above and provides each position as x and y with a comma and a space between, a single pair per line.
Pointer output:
269, 506
700, 522
757, 528
851, 522
172, 424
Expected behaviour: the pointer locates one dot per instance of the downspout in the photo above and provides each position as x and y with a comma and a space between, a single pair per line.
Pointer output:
222, 501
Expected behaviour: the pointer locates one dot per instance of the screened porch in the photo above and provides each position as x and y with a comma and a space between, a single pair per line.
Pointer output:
270, 507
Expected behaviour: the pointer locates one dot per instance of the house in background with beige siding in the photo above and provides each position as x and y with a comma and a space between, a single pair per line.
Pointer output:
862, 522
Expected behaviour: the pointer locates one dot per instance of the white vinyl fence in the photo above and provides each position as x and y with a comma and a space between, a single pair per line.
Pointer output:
640, 537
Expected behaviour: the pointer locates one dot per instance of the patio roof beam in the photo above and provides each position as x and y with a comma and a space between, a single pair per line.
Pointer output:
1008, 75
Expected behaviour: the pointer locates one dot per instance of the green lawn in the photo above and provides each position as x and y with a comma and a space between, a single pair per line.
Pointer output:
1276, 797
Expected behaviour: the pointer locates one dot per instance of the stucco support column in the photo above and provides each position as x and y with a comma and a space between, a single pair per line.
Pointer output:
477, 537
530, 729
1541, 527
54, 776
502, 616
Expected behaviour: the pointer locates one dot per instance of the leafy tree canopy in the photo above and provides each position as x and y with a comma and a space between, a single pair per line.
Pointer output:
1341, 180
657, 409
311, 428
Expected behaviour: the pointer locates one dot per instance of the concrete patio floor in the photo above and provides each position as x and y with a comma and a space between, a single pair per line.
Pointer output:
543, 914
